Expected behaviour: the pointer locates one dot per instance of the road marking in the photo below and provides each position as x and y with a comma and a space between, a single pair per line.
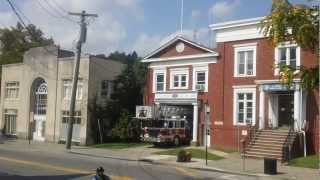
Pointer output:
187, 172
60, 168
228, 177
121, 178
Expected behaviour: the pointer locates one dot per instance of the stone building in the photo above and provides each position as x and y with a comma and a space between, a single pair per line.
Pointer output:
35, 95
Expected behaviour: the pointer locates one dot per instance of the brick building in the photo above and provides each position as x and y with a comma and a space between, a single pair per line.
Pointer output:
239, 81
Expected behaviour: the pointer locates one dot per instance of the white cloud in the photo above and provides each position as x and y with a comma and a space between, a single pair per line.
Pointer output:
146, 44
223, 10
105, 33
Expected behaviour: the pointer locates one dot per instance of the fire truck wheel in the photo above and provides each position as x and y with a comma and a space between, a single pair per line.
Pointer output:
176, 141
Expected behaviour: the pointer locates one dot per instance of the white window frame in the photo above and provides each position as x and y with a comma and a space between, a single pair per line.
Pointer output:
15, 88
199, 69
179, 72
286, 45
11, 113
240, 48
67, 96
236, 91
155, 73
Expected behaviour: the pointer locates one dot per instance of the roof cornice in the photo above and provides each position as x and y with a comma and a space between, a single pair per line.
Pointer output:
236, 23
174, 40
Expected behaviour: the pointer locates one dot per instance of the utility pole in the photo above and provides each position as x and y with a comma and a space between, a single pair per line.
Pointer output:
82, 39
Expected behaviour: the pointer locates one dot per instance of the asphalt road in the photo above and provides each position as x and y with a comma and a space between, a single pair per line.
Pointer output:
16, 164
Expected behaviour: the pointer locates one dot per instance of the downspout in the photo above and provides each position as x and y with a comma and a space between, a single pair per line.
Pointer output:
223, 75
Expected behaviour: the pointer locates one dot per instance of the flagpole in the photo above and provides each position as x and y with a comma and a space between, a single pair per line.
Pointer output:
181, 17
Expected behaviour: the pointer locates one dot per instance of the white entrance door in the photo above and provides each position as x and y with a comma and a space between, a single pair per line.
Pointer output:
39, 121
40, 111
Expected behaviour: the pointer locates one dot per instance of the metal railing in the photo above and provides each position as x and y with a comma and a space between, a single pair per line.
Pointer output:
252, 131
287, 146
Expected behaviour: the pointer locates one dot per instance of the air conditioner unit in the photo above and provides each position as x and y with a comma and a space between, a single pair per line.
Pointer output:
200, 87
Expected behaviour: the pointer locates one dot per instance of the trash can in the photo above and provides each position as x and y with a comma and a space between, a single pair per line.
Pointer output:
270, 166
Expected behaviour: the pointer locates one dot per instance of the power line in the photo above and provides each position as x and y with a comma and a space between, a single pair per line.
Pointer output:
46, 10
17, 14
57, 11
18, 9
20, 19
60, 7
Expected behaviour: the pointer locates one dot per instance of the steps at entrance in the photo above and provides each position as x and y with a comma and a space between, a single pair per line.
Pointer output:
268, 143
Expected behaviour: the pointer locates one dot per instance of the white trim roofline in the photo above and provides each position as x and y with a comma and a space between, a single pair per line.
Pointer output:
236, 23
184, 40
206, 55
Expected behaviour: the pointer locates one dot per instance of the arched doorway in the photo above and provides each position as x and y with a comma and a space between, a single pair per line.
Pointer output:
39, 104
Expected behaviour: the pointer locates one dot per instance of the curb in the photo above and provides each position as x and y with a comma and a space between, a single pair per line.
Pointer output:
106, 157
212, 169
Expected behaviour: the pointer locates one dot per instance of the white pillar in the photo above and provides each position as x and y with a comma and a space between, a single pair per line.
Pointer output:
261, 109
195, 123
296, 114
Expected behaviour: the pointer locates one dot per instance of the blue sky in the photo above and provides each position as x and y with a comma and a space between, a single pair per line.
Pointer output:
127, 25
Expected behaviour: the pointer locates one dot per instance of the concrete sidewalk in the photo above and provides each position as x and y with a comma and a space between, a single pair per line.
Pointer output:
232, 163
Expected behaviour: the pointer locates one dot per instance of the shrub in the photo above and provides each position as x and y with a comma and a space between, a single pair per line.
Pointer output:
181, 156
184, 156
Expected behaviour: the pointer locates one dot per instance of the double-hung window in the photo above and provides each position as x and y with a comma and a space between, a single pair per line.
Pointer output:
244, 106
287, 54
180, 81
11, 90
245, 60
159, 80
10, 118
67, 89
200, 78
179, 78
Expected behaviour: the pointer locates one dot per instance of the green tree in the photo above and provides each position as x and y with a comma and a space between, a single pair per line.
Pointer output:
127, 93
15, 41
294, 23
128, 87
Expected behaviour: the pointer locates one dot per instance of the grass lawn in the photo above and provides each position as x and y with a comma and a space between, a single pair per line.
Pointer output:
307, 162
196, 153
119, 145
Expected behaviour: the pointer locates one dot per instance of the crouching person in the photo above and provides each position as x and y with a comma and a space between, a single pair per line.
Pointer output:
100, 174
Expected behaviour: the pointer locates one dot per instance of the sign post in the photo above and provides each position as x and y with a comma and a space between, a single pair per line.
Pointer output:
206, 118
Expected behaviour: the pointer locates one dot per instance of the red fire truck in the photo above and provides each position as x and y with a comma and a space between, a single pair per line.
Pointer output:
161, 129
